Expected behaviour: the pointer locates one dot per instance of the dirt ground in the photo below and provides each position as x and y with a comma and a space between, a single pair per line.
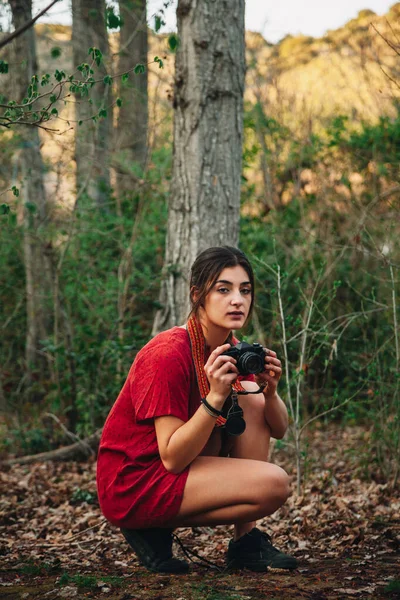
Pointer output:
344, 530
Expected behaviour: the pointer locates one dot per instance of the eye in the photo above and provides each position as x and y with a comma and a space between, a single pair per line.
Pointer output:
223, 290
246, 291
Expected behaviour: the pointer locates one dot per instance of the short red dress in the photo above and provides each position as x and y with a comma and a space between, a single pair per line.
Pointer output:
134, 488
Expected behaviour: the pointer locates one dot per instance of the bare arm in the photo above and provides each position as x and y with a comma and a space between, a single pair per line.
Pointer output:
276, 413
180, 443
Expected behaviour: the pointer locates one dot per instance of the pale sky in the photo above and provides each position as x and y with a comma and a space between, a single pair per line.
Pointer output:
273, 18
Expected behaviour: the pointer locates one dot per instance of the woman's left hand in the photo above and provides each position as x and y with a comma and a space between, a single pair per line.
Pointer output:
271, 374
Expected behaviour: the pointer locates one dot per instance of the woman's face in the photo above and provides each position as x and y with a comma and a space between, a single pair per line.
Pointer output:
228, 302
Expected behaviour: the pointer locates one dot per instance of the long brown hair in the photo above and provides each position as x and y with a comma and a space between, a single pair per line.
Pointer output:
207, 267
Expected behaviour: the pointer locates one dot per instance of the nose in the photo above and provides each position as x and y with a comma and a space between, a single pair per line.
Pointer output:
237, 298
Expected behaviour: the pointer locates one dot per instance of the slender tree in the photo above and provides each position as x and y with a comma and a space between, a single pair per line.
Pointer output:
35, 207
208, 127
131, 133
92, 141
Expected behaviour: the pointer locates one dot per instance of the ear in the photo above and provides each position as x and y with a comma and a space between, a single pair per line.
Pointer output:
194, 294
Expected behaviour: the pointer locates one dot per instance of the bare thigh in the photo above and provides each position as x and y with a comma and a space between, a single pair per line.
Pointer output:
223, 490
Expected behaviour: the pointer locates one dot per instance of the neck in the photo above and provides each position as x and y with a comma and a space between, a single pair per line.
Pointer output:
215, 336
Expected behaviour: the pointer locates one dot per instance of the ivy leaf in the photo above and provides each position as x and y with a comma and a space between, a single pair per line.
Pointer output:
159, 61
3, 66
4, 209
139, 69
118, 102
125, 77
102, 112
107, 80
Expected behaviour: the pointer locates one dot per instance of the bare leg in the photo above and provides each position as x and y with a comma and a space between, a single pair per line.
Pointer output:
222, 491
253, 443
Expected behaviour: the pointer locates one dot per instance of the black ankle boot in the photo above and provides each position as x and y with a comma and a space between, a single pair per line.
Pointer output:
153, 548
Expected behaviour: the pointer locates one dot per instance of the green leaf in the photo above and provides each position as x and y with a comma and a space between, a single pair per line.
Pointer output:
173, 42
80, 122
96, 55
55, 52
159, 61
3, 66
107, 80
59, 75
4, 209
125, 77
139, 69
31, 207
53, 98
103, 112
113, 20
118, 102
158, 23
54, 111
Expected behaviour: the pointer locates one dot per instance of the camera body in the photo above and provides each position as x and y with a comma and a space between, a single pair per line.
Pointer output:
249, 357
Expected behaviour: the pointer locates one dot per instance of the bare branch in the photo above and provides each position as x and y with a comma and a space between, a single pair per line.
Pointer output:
27, 25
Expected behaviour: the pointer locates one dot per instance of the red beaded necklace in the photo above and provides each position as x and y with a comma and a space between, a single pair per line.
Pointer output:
198, 345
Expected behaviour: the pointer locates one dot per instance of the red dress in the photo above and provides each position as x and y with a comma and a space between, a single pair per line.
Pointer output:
135, 490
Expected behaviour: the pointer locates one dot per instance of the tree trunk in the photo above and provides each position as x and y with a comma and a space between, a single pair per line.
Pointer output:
208, 129
131, 134
92, 140
35, 211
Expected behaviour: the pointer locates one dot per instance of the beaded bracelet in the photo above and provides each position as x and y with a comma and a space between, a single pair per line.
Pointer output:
213, 412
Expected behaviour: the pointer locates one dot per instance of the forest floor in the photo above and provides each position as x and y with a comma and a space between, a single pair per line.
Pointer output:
344, 530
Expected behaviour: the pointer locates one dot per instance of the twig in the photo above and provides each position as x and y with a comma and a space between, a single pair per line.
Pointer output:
27, 25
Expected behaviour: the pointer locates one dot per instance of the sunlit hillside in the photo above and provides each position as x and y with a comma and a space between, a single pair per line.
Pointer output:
301, 82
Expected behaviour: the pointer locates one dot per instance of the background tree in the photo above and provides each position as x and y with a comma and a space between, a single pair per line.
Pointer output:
208, 126
34, 205
131, 133
92, 140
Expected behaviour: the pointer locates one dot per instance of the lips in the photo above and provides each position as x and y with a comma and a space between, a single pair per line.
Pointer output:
236, 313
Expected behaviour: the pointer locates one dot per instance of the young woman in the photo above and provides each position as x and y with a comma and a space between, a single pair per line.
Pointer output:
166, 459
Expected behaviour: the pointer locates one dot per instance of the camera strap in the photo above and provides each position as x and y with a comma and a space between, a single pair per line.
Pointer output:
198, 347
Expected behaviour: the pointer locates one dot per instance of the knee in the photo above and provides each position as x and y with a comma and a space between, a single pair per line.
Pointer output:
276, 487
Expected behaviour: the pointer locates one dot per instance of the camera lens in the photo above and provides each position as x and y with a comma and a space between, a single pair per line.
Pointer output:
250, 363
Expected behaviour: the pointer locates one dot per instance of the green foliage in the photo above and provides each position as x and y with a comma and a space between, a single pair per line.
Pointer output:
139, 68
3, 67
83, 496
113, 20
89, 581
323, 252
55, 52
158, 23
173, 42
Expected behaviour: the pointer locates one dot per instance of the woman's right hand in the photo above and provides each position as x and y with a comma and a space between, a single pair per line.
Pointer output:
221, 373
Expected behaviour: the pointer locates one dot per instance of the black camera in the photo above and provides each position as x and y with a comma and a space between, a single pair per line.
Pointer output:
249, 357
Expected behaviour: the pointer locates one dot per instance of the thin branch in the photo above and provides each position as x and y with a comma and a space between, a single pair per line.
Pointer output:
27, 25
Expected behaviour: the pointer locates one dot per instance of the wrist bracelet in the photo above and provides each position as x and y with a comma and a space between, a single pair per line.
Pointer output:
213, 412
209, 412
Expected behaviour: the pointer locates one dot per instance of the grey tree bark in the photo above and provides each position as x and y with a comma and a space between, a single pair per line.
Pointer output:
92, 140
208, 129
37, 256
131, 134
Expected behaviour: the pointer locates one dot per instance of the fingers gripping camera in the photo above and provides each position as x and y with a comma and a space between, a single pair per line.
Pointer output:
249, 357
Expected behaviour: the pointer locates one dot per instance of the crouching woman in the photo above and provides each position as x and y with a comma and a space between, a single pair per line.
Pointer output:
170, 455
